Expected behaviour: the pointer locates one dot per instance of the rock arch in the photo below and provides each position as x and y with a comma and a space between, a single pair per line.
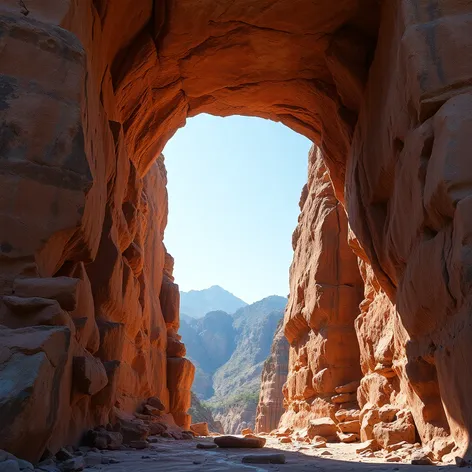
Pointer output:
90, 91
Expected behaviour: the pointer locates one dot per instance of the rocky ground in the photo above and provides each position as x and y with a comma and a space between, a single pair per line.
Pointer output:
170, 455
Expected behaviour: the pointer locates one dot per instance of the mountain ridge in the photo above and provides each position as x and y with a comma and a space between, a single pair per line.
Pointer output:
197, 303
229, 351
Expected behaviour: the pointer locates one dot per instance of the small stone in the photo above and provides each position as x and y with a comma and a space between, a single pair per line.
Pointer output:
197, 462
247, 431
264, 459
73, 465
319, 444
151, 410
348, 437
395, 447
153, 440
206, 446
285, 440
421, 457
326, 453
394, 459
370, 445
139, 444
63, 455
156, 403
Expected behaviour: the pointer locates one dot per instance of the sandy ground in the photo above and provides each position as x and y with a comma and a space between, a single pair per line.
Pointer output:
183, 456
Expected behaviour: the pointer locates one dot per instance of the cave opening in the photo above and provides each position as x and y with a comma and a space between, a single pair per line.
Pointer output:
90, 94
234, 188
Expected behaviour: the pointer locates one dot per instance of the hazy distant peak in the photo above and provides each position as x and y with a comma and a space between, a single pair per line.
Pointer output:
196, 303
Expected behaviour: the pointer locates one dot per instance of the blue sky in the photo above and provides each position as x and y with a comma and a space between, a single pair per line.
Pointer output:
234, 185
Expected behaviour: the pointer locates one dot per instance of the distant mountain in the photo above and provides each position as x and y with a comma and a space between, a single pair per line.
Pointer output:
229, 352
210, 343
255, 327
197, 303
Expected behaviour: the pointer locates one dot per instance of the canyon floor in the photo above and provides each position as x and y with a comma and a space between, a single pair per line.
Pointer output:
172, 456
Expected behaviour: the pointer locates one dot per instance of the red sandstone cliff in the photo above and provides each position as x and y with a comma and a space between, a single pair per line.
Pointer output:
325, 292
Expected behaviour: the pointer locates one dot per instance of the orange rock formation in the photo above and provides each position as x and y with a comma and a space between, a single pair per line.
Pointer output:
325, 292
91, 90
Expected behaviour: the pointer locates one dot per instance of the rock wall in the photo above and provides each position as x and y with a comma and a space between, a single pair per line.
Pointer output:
325, 292
407, 190
85, 322
407, 193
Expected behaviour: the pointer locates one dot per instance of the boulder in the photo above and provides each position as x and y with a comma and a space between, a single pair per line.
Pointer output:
347, 415
200, 429
156, 403
422, 457
240, 443
139, 444
32, 366
206, 446
75, 464
63, 454
350, 427
133, 430
318, 442
103, 439
370, 445
151, 411
402, 429
325, 427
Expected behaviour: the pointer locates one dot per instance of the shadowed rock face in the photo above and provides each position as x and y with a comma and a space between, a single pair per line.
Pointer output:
89, 94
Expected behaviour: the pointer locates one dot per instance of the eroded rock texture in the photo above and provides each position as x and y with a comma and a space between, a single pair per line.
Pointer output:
408, 188
274, 374
91, 90
325, 292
